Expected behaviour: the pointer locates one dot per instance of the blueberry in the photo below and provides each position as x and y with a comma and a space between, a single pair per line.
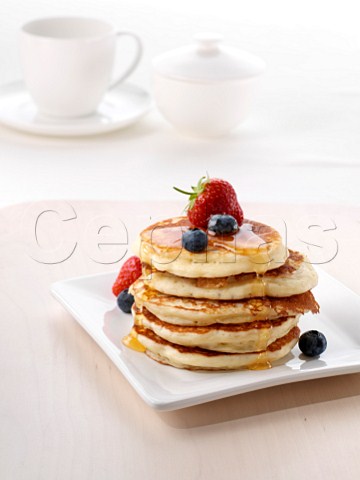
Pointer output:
223, 224
125, 301
312, 343
194, 240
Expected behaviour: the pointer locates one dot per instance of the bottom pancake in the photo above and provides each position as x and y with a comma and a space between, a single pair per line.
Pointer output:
233, 338
194, 358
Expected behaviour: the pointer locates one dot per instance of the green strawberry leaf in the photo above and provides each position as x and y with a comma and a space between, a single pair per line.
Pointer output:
198, 190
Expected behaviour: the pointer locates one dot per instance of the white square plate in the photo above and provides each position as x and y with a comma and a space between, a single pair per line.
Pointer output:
90, 300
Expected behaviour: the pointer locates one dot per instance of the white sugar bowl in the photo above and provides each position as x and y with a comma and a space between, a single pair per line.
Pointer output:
207, 88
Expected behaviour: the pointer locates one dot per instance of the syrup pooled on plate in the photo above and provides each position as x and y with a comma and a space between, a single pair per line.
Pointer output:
132, 342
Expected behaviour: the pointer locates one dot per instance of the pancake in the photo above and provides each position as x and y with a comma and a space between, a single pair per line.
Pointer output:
194, 358
236, 305
233, 338
254, 248
294, 277
201, 312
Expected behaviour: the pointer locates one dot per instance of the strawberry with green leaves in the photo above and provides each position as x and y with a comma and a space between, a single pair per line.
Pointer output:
212, 196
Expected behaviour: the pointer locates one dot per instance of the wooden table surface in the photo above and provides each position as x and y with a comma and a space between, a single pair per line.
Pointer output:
68, 413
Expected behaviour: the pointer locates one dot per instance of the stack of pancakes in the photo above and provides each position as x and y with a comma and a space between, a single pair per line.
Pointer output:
235, 305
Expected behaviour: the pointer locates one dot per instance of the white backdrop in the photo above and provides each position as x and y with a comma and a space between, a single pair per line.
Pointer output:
302, 142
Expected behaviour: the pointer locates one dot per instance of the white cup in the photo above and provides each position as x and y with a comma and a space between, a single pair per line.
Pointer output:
67, 63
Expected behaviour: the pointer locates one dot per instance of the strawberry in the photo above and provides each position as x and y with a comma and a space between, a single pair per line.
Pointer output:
129, 272
212, 196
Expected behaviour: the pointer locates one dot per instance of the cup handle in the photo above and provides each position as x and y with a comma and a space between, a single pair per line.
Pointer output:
134, 63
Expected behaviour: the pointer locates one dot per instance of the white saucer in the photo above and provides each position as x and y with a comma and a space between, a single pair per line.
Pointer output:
120, 108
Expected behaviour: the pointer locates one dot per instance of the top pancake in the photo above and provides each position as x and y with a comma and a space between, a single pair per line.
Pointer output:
254, 248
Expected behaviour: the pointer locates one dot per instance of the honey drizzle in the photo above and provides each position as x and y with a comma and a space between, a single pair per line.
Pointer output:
260, 282
132, 342
262, 360
252, 240
261, 363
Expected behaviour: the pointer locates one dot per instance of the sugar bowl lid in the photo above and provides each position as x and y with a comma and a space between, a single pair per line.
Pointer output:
208, 60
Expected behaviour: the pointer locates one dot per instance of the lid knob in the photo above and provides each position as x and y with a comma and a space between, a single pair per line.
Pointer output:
208, 42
